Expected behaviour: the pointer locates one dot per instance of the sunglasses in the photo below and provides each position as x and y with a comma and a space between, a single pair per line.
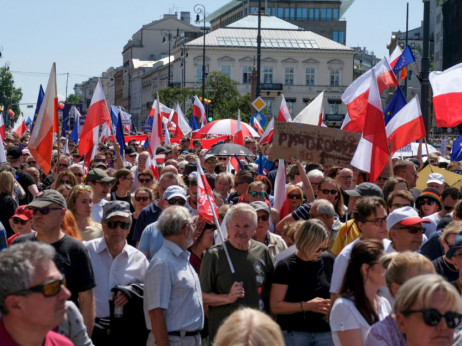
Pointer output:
322, 249
258, 194
63, 165
114, 224
222, 158
263, 218
211, 161
448, 208
175, 201
237, 183
432, 317
412, 230
102, 183
48, 289
138, 199
382, 178
142, 181
63, 182
18, 221
294, 196
379, 221
44, 210
457, 171
326, 192
78, 174
426, 201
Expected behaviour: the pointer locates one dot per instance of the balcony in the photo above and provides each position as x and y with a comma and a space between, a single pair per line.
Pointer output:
271, 86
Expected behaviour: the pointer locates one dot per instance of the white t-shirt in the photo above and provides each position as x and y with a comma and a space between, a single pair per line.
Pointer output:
430, 228
341, 263
345, 316
97, 210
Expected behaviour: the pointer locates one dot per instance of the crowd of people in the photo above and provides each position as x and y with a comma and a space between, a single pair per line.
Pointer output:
118, 254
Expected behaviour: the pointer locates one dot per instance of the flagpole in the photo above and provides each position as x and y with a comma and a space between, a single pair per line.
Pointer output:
407, 32
390, 162
426, 147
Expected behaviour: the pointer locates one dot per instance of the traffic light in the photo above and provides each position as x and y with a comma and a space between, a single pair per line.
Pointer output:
209, 111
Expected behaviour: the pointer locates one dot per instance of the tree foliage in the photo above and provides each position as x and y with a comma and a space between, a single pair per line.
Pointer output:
74, 99
171, 96
10, 97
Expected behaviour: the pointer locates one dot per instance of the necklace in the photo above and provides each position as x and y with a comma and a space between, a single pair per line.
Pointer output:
449, 266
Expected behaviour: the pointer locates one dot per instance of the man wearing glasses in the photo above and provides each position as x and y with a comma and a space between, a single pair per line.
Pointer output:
48, 210
100, 183
24, 179
32, 296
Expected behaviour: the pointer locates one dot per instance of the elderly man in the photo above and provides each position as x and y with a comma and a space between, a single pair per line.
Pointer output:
436, 181
323, 210
406, 170
173, 301
100, 183
253, 265
344, 179
223, 184
77, 170
142, 166
48, 210
32, 296
115, 263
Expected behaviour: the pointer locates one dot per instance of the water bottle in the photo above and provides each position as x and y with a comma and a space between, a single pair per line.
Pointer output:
118, 310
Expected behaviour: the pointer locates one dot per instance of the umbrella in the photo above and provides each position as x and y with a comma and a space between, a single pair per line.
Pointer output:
226, 127
229, 149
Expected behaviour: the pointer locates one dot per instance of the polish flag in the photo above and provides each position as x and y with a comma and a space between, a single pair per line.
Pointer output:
280, 195
105, 132
267, 136
203, 189
257, 127
2, 151
164, 111
447, 96
182, 124
356, 95
151, 164
41, 138
394, 56
97, 115
284, 112
313, 113
372, 152
199, 110
406, 126
238, 136
156, 132
20, 126
2, 126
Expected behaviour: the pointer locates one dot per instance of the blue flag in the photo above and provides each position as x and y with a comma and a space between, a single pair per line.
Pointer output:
456, 154
41, 94
28, 121
120, 135
133, 131
115, 111
192, 123
397, 102
405, 59
260, 163
241, 166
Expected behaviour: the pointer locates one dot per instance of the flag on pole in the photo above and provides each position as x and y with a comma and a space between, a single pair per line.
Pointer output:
405, 59
267, 136
97, 115
372, 152
37, 107
163, 110
280, 195
193, 123
2, 127
204, 208
120, 135
397, 102
182, 125
41, 138
447, 96
156, 132
19, 126
151, 164
11, 114
313, 113
238, 136
394, 56
105, 132
456, 153
75, 130
199, 110
284, 112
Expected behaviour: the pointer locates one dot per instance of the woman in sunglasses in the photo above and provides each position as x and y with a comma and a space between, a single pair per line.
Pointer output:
300, 290
20, 222
121, 190
428, 202
64, 178
328, 189
141, 198
294, 197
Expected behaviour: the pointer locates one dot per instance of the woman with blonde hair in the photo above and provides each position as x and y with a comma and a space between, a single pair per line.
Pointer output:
8, 204
64, 178
294, 196
80, 202
300, 292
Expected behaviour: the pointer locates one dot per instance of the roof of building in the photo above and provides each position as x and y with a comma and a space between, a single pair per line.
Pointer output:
267, 22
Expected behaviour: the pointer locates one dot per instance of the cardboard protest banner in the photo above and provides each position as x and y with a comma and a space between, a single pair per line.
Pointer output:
451, 179
314, 143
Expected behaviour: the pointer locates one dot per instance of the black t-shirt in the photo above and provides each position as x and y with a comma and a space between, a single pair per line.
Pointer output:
445, 269
72, 260
25, 180
127, 199
432, 249
306, 280
8, 206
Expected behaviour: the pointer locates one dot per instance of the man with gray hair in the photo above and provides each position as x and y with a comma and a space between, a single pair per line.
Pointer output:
173, 301
32, 296
323, 210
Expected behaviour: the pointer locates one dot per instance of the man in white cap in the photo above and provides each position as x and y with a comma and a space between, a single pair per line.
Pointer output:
436, 181
405, 229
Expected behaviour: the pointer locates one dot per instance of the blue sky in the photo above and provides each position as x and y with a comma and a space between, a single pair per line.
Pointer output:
85, 37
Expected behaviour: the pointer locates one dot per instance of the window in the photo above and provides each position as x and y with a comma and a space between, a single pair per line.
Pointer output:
310, 76
302, 13
323, 13
246, 74
269, 107
333, 106
267, 74
291, 105
339, 36
334, 79
335, 14
286, 12
199, 73
226, 69
329, 14
314, 13
289, 76
280, 13
292, 14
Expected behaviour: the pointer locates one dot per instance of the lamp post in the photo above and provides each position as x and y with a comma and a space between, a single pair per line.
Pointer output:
167, 35
199, 8
258, 91
425, 68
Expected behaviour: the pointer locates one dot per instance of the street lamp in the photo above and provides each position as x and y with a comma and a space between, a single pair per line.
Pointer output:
167, 35
425, 68
199, 8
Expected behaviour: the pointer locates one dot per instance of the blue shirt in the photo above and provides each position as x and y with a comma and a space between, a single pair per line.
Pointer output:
151, 240
147, 216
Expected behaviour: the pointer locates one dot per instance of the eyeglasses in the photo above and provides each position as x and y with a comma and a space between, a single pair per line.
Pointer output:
237, 183
222, 158
44, 210
142, 181
48, 289
326, 192
32, 163
102, 183
17, 221
426, 201
448, 208
378, 221
175, 201
457, 171
114, 224
63, 182
65, 165
294, 196
322, 249
412, 230
78, 174
432, 317
263, 218
258, 194
138, 199
211, 161
399, 205
382, 178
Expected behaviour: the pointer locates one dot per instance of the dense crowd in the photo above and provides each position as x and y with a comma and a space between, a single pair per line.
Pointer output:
118, 253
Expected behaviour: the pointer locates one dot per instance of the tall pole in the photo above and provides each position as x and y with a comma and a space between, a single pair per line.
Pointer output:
258, 91
169, 37
199, 8
407, 36
425, 67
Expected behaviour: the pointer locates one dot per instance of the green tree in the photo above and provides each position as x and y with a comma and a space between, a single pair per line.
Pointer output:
74, 99
10, 97
171, 96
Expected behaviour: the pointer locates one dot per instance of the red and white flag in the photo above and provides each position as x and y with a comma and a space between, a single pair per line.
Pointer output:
406, 126
394, 56
105, 132
447, 96
284, 112
204, 208
19, 126
238, 136
313, 113
41, 138
97, 115
151, 164
156, 131
280, 195
356, 95
2, 151
199, 110
163, 110
2, 126
372, 152
182, 125
267, 136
